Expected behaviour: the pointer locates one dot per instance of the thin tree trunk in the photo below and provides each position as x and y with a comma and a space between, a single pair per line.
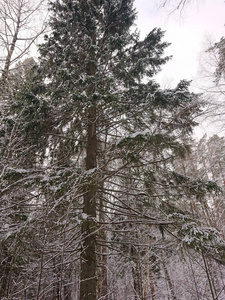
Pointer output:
139, 278
147, 271
102, 248
149, 280
208, 277
5, 276
5, 72
152, 286
137, 273
194, 279
102, 277
168, 279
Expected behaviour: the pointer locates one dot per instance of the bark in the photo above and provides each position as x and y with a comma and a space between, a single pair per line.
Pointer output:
88, 285
152, 286
169, 281
209, 277
7, 267
149, 279
137, 273
102, 260
147, 271
4, 279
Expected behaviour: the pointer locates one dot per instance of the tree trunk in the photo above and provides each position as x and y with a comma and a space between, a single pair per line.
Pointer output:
102, 260
136, 270
169, 281
88, 285
5, 275
152, 286
5, 72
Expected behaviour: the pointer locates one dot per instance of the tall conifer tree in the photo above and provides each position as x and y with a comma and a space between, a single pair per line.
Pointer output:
96, 64
93, 60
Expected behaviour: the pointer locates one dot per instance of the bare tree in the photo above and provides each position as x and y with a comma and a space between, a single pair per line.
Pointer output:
177, 4
21, 23
210, 81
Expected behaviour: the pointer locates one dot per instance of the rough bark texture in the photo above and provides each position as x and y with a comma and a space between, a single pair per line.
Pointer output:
89, 226
88, 286
136, 270
102, 259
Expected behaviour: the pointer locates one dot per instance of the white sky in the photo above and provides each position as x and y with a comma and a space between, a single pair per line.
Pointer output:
187, 31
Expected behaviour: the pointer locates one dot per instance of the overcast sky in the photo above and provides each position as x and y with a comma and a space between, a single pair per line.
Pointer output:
187, 31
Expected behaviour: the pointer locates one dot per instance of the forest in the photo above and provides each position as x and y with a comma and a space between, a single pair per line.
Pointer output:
105, 194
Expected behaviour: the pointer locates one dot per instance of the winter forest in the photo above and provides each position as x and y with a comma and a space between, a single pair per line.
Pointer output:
105, 194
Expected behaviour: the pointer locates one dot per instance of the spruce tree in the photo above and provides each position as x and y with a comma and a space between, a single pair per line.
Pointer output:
97, 67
